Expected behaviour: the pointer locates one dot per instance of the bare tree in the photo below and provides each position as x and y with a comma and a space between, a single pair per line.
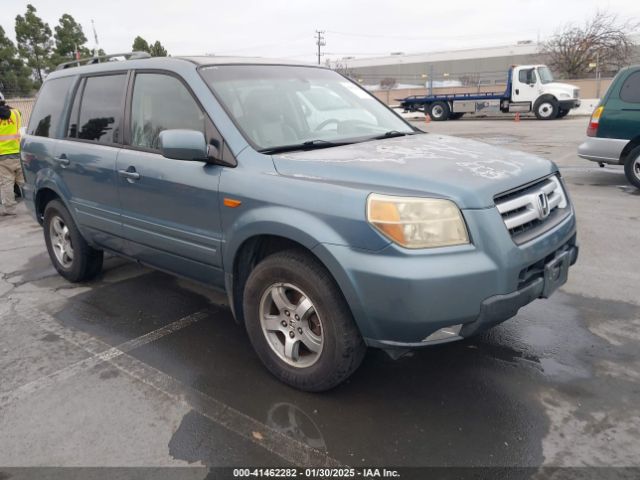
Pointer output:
603, 39
388, 83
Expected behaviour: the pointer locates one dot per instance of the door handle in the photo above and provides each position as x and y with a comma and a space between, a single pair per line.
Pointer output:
129, 174
62, 160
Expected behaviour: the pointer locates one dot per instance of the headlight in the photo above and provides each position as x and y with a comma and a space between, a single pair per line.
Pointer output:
414, 222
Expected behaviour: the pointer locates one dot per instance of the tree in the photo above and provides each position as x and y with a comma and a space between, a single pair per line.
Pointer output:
140, 45
68, 37
157, 50
15, 77
33, 37
602, 39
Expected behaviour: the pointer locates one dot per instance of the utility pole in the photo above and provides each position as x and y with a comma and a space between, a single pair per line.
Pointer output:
95, 37
320, 42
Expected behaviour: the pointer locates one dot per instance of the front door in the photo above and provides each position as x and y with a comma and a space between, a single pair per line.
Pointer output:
170, 210
525, 85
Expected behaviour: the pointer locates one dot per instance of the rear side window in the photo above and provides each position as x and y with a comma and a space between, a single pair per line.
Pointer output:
630, 90
100, 115
161, 102
47, 113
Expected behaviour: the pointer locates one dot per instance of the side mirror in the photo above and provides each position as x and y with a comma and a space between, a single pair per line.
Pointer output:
183, 145
191, 145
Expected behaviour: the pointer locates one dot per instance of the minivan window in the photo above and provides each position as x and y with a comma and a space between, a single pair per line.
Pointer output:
101, 108
47, 113
270, 105
630, 90
161, 102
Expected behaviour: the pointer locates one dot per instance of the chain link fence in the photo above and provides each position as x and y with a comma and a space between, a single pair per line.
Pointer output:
21, 103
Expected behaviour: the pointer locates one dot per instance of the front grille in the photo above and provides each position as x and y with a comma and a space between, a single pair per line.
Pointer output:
532, 209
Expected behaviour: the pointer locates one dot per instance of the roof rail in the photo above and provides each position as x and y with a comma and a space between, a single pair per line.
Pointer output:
102, 58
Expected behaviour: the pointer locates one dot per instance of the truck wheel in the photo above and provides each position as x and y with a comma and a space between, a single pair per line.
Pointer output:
546, 108
632, 167
299, 323
70, 254
456, 116
439, 111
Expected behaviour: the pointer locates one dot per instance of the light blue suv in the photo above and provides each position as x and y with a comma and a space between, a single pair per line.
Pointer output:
330, 222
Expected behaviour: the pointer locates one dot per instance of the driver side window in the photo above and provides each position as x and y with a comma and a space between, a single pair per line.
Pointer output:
161, 102
527, 76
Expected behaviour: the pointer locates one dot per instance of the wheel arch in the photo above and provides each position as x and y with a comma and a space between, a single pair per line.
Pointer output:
629, 147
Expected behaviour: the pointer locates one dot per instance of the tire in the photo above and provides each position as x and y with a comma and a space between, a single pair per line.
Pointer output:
562, 113
439, 111
456, 116
289, 277
546, 108
59, 228
632, 167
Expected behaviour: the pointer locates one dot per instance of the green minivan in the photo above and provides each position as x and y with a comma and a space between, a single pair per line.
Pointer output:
613, 134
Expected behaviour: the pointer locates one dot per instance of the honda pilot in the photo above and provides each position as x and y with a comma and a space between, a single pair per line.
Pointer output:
330, 222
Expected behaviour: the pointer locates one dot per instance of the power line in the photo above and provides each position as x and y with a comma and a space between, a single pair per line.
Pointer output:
320, 42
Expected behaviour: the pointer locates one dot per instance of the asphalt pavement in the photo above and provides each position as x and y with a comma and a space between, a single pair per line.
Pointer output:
139, 368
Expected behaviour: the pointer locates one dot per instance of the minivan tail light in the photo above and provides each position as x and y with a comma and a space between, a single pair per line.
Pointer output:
592, 129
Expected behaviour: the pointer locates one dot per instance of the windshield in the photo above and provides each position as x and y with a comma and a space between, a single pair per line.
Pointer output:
545, 75
279, 106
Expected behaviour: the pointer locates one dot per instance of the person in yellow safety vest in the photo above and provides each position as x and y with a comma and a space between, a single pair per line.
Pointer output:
10, 169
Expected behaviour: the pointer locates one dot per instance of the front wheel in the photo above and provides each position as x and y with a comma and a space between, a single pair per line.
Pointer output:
632, 167
299, 323
546, 108
70, 254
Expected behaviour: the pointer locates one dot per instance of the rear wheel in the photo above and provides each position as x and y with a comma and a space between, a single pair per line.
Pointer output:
632, 167
546, 108
439, 111
299, 323
70, 254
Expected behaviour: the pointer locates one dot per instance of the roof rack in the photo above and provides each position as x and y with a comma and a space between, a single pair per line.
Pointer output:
102, 58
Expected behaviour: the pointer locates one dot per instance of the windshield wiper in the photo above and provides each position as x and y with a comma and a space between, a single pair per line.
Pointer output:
392, 134
308, 145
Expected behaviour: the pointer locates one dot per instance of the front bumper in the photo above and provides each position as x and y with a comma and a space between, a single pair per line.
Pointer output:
569, 104
400, 297
603, 150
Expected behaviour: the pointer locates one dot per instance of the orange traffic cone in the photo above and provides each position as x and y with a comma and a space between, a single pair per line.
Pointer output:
517, 119
427, 118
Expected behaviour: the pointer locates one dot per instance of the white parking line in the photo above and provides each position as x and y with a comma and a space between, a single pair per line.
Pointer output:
290, 450
104, 356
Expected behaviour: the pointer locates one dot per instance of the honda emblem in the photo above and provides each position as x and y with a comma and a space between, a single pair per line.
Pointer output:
543, 205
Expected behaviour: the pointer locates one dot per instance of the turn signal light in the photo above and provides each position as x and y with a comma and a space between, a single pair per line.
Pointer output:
592, 129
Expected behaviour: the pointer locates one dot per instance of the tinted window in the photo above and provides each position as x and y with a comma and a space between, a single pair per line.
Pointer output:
47, 113
161, 102
630, 91
101, 109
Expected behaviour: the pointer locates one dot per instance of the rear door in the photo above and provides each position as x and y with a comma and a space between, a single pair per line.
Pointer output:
86, 157
171, 216
621, 116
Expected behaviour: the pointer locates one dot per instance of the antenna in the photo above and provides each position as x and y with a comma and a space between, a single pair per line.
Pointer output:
95, 37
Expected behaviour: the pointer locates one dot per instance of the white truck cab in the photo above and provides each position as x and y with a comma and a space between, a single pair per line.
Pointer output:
534, 86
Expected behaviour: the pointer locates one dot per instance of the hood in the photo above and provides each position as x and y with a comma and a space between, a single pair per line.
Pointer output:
560, 87
468, 172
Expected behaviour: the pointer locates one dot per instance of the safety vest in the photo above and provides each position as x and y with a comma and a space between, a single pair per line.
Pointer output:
10, 134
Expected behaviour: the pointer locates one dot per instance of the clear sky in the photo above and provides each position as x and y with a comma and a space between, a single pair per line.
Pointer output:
286, 28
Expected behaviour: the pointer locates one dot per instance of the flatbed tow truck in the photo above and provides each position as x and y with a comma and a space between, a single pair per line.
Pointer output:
530, 88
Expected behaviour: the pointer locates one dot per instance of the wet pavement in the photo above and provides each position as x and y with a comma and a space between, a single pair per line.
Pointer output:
139, 368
